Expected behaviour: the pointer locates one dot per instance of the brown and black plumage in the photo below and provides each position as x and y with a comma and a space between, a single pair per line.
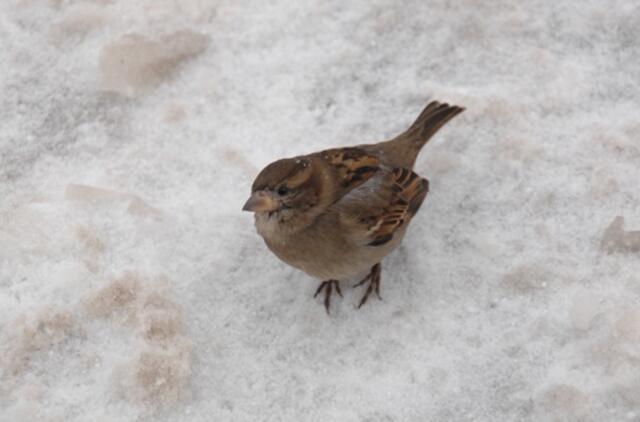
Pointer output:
335, 214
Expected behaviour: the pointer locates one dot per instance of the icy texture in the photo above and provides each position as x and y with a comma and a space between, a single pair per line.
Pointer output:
132, 287
134, 64
616, 239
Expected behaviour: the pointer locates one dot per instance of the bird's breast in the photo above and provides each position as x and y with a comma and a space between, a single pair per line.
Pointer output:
322, 251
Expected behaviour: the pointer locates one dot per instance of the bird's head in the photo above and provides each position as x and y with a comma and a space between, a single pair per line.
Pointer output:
285, 189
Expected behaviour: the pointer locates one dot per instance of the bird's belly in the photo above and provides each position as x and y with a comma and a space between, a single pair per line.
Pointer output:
335, 260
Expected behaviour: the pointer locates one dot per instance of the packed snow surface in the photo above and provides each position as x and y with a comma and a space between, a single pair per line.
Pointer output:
132, 287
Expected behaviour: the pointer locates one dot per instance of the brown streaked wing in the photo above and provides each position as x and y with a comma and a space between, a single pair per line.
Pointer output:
408, 192
353, 166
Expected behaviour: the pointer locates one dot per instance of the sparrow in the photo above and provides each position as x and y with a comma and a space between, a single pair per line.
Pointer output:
335, 214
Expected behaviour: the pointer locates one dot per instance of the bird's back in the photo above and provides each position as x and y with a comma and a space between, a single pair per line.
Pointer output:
403, 150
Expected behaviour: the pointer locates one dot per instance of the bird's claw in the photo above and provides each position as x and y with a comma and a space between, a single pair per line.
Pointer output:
327, 286
374, 284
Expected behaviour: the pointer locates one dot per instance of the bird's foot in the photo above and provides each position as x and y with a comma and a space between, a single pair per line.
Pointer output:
374, 284
327, 286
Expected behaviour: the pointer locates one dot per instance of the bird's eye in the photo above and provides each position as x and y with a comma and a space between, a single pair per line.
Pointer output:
282, 190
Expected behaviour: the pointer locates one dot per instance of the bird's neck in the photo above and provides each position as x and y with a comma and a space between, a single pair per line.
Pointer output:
280, 226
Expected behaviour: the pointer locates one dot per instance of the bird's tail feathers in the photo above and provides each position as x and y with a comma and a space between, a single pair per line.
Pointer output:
430, 120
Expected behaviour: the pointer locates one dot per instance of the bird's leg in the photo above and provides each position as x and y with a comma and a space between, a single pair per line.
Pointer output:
327, 286
374, 283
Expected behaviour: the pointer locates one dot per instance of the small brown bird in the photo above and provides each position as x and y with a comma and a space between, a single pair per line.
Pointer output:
335, 214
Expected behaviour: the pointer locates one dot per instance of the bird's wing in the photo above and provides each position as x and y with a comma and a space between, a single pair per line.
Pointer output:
376, 210
350, 168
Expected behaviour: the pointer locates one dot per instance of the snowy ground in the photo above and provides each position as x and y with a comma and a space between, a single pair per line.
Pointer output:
132, 287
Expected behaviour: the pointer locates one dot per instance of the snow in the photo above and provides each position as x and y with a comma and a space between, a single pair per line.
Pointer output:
132, 287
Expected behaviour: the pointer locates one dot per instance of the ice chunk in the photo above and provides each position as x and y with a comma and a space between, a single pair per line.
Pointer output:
50, 328
120, 294
60, 4
140, 208
160, 378
77, 23
159, 374
616, 239
137, 207
94, 247
92, 194
134, 64
160, 327
161, 319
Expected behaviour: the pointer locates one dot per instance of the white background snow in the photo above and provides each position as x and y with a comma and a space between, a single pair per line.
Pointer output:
132, 287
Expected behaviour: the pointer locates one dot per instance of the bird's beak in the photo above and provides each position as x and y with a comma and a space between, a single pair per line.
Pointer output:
262, 201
